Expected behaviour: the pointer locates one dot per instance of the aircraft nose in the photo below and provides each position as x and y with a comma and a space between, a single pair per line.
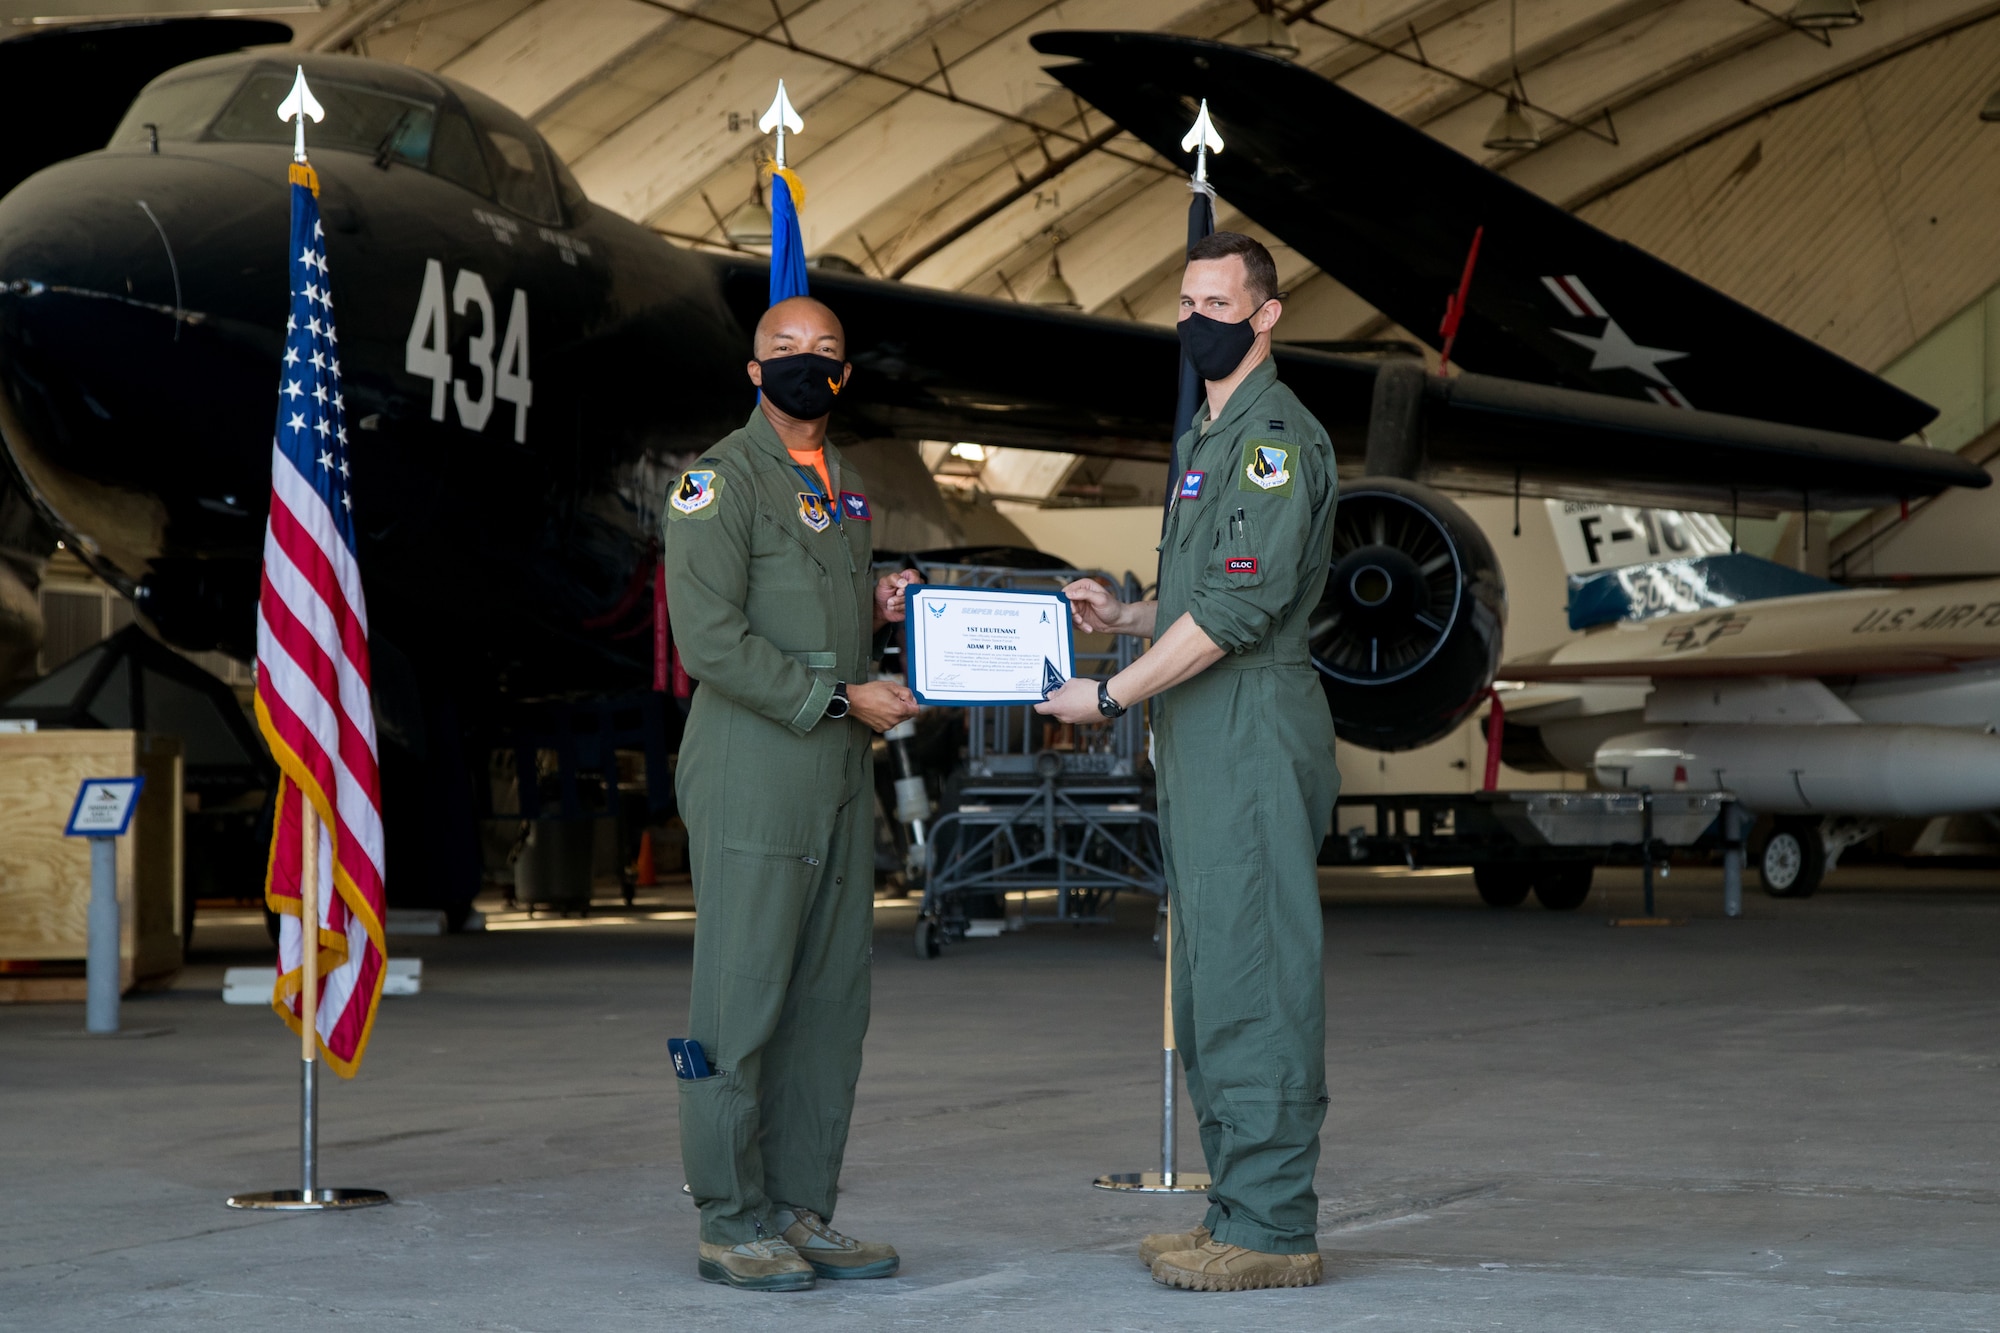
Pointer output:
123, 368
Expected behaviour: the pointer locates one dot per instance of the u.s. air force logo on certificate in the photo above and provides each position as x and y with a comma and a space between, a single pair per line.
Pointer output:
1266, 467
696, 492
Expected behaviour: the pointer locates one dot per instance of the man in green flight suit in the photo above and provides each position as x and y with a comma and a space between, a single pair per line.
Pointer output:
774, 607
1246, 777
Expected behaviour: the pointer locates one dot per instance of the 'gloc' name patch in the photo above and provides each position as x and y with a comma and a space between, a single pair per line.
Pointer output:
1241, 564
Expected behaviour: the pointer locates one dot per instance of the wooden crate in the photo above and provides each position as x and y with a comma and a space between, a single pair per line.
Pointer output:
45, 877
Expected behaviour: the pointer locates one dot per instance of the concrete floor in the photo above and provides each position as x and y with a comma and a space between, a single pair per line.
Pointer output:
1787, 1121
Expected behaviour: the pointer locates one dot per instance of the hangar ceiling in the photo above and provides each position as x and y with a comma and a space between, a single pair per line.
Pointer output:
937, 150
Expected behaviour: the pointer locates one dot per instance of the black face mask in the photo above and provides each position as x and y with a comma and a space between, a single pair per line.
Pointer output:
802, 386
1213, 348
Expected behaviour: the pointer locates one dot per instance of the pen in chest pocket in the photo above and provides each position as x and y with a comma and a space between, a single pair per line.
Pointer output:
1236, 525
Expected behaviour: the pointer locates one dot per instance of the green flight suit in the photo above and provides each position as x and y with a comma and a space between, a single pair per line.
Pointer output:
1247, 782
770, 594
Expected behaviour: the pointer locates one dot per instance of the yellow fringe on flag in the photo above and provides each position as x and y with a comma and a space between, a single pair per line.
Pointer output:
303, 174
791, 178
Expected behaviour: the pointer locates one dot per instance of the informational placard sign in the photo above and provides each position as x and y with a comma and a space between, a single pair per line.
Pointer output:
104, 807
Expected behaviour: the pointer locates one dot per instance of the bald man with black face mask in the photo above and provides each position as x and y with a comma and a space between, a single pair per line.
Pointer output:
768, 542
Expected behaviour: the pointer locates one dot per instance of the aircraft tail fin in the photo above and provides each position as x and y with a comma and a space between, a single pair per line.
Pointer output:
1628, 563
1391, 216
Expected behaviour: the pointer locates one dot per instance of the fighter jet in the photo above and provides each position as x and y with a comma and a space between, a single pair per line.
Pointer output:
527, 374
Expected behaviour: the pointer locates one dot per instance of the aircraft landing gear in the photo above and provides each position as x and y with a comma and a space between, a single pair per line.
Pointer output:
1793, 859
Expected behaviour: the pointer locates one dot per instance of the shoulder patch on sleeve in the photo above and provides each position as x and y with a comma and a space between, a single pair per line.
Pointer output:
1267, 467
694, 494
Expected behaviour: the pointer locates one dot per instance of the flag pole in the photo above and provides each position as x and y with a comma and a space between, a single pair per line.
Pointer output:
1201, 141
309, 1004
309, 1197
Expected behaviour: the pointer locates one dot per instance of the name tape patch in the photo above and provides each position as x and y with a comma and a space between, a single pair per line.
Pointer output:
1241, 564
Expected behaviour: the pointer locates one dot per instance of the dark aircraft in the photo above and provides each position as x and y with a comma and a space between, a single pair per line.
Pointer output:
527, 372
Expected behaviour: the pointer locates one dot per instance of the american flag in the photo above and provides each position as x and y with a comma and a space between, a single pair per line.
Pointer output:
312, 671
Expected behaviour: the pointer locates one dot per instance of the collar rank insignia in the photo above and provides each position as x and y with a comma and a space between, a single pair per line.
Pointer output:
813, 511
856, 506
1191, 485
1266, 469
696, 492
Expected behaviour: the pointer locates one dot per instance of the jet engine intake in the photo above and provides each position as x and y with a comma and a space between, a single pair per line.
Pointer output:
1407, 634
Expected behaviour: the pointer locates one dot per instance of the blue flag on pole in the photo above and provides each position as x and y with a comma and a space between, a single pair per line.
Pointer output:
788, 247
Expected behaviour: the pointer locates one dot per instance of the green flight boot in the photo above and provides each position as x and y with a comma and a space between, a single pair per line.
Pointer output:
1168, 1242
1214, 1266
833, 1255
756, 1265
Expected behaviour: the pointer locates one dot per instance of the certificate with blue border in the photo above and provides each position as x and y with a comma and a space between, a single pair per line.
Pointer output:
985, 645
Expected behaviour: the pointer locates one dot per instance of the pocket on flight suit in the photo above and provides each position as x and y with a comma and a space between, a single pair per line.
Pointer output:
769, 888
1229, 935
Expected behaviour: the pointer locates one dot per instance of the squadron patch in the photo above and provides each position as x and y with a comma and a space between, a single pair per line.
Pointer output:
696, 492
1191, 485
813, 511
856, 506
1266, 467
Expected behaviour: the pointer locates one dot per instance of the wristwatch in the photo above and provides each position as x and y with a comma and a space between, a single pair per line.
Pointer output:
837, 706
1107, 705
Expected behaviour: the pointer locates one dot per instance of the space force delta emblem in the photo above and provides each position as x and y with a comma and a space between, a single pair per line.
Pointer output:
696, 492
856, 506
1266, 467
813, 511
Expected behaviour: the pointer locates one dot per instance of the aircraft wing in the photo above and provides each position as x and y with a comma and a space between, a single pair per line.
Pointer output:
1861, 631
92, 71
1390, 212
938, 365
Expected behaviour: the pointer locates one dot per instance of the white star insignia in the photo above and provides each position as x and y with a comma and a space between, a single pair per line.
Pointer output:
312, 291
326, 299
318, 359
317, 233
319, 394
335, 367
326, 460
347, 501
339, 400
297, 422
291, 323
292, 389
312, 326
306, 256
1615, 350
321, 427
291, 356
343, 462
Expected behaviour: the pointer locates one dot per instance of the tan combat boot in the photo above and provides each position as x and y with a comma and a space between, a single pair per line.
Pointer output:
757, 1265
1167, 1242
1214, 1266
832, 1254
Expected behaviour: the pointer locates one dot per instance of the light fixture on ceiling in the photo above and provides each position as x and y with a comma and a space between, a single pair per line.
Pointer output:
1991, 111
970, 452
750, 224
1819, 15
1512, 130
1267, 33
1052, 291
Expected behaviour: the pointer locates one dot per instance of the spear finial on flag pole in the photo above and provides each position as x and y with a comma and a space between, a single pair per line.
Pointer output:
300, 103
781, 117
1201, 141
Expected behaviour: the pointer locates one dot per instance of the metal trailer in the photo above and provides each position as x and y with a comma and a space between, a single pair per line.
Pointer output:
1075, 823
1545, 842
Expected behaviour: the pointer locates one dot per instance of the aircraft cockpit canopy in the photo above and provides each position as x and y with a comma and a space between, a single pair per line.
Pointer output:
461, 136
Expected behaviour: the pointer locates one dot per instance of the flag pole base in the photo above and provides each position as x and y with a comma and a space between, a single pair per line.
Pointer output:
1155, 1182
295, 1201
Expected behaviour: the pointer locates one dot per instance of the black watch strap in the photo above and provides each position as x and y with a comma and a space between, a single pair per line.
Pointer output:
1107, 705
837, 706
